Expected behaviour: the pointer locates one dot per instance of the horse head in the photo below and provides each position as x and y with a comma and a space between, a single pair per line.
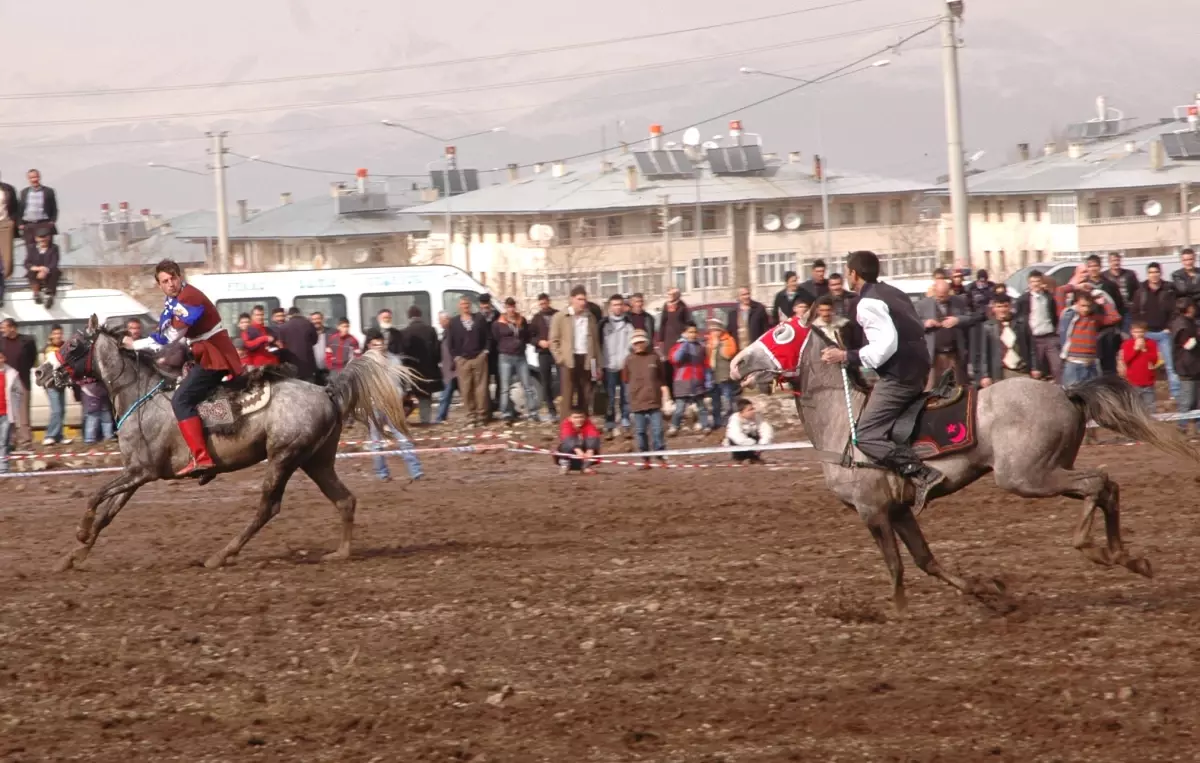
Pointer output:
779, 352
83, 356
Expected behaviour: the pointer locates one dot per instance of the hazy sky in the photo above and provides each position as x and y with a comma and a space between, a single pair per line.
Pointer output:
1028, 66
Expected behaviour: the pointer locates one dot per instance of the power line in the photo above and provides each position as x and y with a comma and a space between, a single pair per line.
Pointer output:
471, 88
429, 65
829, 76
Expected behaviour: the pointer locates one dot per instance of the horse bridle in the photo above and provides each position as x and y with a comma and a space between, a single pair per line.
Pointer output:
87, 353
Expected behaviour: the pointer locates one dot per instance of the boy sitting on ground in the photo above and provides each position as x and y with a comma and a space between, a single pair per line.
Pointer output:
578, 436
746, 427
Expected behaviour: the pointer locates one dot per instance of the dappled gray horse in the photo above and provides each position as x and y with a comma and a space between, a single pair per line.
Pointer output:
1025, 431
298, 429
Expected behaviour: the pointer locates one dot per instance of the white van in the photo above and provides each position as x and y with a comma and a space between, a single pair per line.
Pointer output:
71, 310
354, 293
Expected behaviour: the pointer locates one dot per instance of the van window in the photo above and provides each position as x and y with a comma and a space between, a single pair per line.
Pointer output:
149, 323
450, 300
332, 306
230, 309
396, 301
40, 331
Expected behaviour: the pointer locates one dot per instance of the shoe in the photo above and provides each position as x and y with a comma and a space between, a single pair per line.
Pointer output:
610, 434
193, 434
589, 470
924, 480
563, 469
706, 431
37, 299
697, 428
66, 441
49, 302
672, 431
48, 442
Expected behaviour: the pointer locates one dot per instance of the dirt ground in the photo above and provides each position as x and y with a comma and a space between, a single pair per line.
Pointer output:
497, 611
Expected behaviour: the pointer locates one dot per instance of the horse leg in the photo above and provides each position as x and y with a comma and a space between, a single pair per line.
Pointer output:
274, 484
325, 476
1110, 504
881, 530
113, 498
909, 531
1089, 485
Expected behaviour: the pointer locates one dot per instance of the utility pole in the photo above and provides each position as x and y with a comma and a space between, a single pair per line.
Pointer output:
1185, 219
451, 166
699, 229
218, 153
951, 15
666, 226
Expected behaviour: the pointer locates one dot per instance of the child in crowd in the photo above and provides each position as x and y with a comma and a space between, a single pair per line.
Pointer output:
1079, 332
97, 411
377, 351
746, 427
340, 348
721, 348
580, 437
10, 390
643, 375
1185, 343
693, 378
1140, 356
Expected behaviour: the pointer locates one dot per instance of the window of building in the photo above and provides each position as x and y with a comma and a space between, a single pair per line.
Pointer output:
772, 266
614, 226
1063, 209
987, 211
1024, 258
563, 234
1093, 210
1041, 255
687, 220
848, 214
1021, 210
610, 281
648, 282
999, 211
512, 231
680, 278
1139, 205
1116, 207
1037, 210
873, 213
710, 272
587, 228
712, 219
896, 213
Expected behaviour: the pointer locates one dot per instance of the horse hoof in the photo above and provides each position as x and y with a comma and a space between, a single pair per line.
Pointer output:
1140, 565
998, 586
336, 556
66, 563
215, 562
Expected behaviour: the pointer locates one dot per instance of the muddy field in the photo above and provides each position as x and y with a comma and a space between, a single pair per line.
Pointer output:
499, 612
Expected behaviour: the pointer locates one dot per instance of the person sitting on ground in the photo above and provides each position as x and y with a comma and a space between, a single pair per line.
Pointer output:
579, 437
41, 268
746, 427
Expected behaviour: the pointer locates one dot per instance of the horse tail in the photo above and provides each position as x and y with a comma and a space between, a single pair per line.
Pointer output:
1113, 403
370, 390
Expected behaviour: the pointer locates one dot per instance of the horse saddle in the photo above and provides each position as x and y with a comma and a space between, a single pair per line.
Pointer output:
243, 395
940, 422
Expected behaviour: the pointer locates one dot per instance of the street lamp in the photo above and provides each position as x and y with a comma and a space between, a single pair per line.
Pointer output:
449, 158
156, 165
820, 133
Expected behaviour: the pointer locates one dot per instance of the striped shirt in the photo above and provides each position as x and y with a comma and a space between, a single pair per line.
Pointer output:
35, 205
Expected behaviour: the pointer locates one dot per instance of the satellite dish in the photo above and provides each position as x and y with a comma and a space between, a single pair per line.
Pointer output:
691, 137
361, 255
710, 144
541, 233
793, 220
771, 222
1152, 208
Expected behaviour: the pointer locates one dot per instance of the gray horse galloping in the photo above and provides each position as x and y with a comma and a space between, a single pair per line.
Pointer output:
299, 429
1027, 432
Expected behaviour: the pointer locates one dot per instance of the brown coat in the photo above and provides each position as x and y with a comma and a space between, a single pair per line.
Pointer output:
562, 340
643, 372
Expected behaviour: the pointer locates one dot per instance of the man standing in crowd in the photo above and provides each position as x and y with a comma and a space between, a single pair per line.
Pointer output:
1186, 280
840, 298
468, 335
278, 318
489, 314
512, 334
1037, 311
39, 209
540, 326
420, 351
41, 268
785, 301
1109, 340
1154, 304
957, 278
388, 330
318, 321
647, 391
948, 321
1185, 336
299, 337
641, 320
817, 286
133, 327
749, 321
341, 347
21, 352
675, 318
449, 377
257, 342
616, 333
575, 343
10, 218
1004, 349
1127, 284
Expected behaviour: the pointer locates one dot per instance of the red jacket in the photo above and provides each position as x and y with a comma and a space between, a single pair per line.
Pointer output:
256, 340
1139, 365
567, 430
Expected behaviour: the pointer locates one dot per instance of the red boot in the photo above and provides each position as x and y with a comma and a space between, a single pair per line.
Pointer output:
193, 434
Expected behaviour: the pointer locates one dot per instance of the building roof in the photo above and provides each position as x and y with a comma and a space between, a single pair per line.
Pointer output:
1104, 164
84, 248
590, 187
308, 218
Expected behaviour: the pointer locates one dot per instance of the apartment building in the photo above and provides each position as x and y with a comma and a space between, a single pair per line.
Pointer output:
1110, 184
705, 219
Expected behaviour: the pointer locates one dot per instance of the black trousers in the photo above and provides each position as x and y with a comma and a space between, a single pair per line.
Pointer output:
195, 389
888, 400
546, 376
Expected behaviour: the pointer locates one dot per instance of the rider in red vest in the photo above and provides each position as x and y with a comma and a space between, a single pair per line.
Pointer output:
188, 316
